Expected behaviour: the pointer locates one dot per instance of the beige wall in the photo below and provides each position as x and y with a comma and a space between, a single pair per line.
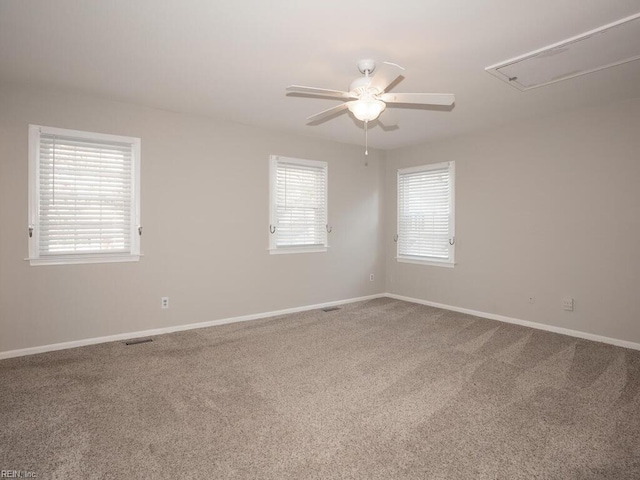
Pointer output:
205, 217
549, 208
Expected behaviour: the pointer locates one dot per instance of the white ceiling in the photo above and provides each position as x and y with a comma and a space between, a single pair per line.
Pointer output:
233, 59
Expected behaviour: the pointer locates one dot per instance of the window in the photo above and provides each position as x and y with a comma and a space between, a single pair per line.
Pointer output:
84, 197
426, 214
298, 207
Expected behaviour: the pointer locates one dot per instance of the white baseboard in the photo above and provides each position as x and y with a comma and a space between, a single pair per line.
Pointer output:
524, 323
175, 328
256, 316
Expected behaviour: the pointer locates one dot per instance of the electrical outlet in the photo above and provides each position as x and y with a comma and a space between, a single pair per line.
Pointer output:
165, 303
532, 299
371, 277
567, 304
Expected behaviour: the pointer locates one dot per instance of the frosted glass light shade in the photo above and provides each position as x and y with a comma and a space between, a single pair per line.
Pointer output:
366, 110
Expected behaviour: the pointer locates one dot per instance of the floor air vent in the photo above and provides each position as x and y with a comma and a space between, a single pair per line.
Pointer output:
136, 341
330, 309
604, 47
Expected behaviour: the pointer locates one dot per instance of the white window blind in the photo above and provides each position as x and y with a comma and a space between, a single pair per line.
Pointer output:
426, 213
298, 205
85, 198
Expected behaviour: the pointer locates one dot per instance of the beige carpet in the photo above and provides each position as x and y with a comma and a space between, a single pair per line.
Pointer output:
377, 390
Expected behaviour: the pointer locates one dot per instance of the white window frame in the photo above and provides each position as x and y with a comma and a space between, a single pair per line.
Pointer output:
34, 193
274, 249
450, 262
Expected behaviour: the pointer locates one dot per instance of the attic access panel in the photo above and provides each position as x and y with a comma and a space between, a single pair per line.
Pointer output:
604, 47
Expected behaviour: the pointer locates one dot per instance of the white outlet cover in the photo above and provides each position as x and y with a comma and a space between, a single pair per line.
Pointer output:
567, 304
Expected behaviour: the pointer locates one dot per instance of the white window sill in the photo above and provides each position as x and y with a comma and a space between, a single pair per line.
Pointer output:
78, 259
420, 261
286, 250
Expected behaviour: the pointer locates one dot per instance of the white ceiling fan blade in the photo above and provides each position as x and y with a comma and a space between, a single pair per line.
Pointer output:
419, 98
321, 92
385, 75
326, 113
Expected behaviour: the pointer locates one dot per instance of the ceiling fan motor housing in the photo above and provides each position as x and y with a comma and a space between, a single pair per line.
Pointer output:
361, 85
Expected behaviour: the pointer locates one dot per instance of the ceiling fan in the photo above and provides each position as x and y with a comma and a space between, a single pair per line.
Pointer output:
367, 97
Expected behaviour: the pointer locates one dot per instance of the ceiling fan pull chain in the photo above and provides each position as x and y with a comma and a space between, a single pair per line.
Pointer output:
366, 139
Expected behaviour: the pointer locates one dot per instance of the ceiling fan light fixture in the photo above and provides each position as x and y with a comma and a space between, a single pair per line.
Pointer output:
366, 110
